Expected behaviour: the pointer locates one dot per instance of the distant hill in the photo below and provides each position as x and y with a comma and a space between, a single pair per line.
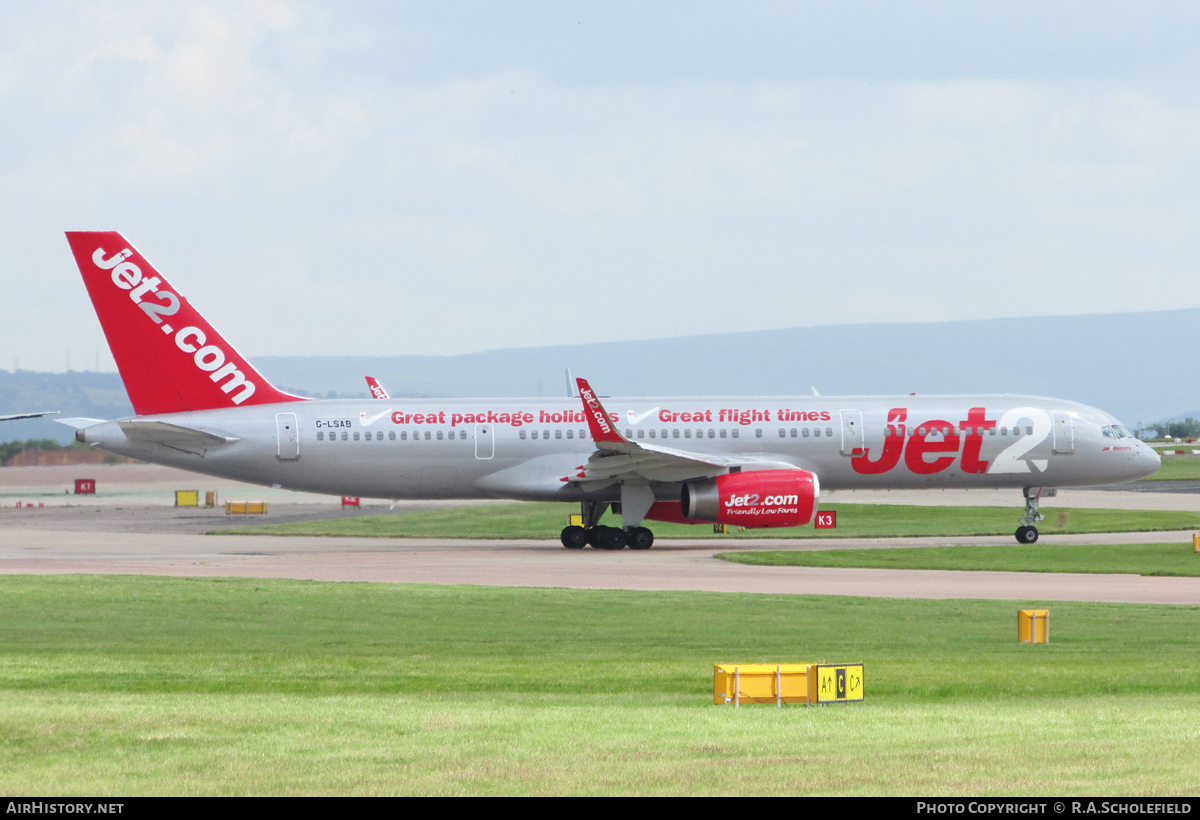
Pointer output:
1135, 365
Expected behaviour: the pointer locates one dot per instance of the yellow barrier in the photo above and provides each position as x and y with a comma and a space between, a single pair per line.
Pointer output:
187, 498
808, 683
1033, 626
245, 508
210, 498
760, 683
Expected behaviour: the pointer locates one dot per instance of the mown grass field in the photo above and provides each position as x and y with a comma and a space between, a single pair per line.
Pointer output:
1131, 559
1177, 468
131, 685
854, 521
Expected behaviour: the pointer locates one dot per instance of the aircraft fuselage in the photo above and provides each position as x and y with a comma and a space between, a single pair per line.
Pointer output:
525, 448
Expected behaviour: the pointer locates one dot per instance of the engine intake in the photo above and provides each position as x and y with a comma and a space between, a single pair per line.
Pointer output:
765, 498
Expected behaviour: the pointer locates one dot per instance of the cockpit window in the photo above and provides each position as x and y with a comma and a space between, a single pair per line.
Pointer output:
1120, 431
1108, 432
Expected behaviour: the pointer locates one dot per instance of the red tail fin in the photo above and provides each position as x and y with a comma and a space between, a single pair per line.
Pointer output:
170, 358
377, 391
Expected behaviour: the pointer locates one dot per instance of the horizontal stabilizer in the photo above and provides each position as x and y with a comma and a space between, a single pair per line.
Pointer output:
79, 423
172, 435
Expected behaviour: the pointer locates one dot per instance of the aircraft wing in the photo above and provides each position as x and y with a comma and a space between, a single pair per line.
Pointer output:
19, 416
619, 459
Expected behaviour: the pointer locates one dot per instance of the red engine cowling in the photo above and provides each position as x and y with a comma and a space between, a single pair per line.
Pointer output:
764, 498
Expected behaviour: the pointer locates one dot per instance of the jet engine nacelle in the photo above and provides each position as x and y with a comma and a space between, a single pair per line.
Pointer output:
764, 498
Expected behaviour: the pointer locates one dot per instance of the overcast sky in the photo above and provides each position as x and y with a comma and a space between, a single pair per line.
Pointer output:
443, 177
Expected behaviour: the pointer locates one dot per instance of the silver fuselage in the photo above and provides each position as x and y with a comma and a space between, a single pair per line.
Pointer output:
531, 448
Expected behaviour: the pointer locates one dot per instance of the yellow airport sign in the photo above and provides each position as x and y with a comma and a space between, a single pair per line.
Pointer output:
835, 683
1033, 626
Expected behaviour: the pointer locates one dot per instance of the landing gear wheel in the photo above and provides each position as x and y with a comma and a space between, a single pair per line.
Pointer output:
609, 538
640, 538
574, 538
1027, 535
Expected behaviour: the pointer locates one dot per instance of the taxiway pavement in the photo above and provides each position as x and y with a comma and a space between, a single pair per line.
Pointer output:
136, 531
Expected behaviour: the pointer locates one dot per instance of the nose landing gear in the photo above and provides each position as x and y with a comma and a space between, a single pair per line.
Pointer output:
1027, 533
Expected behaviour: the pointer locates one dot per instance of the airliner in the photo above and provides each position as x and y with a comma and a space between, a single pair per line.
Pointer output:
749, 461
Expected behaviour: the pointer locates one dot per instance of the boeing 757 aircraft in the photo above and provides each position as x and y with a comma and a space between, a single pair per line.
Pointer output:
753, 461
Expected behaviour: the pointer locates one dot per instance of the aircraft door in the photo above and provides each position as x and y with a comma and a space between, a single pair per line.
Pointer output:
485, 441
1064, 433
287, 437
852, 432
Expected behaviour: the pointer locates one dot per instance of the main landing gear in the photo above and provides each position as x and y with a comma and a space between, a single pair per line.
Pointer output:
607, 538
1027, 533
604, 538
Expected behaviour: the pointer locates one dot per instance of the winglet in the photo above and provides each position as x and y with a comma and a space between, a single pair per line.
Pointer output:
599, 421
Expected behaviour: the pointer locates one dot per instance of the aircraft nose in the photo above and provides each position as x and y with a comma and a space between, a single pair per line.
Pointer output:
1148, 459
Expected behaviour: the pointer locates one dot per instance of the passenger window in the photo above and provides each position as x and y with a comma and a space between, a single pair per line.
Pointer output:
521, 434
687, 433
570, 434
427, 435
558, 433
546, 435
921, 430
946, 431
734, 432
404, 435
321, 436
392, 435
628, 434
712, 433
829, 431
651, 434
724, 433
817, 431
1004, 431
991, 431
782, 432
1029, 430
804, 432
439, 435
793, 432
367, 436
758, 432
356, 436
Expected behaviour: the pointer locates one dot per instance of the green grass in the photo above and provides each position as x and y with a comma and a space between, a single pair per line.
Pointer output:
1131, 559
131, 685
1178, 468
854, 521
